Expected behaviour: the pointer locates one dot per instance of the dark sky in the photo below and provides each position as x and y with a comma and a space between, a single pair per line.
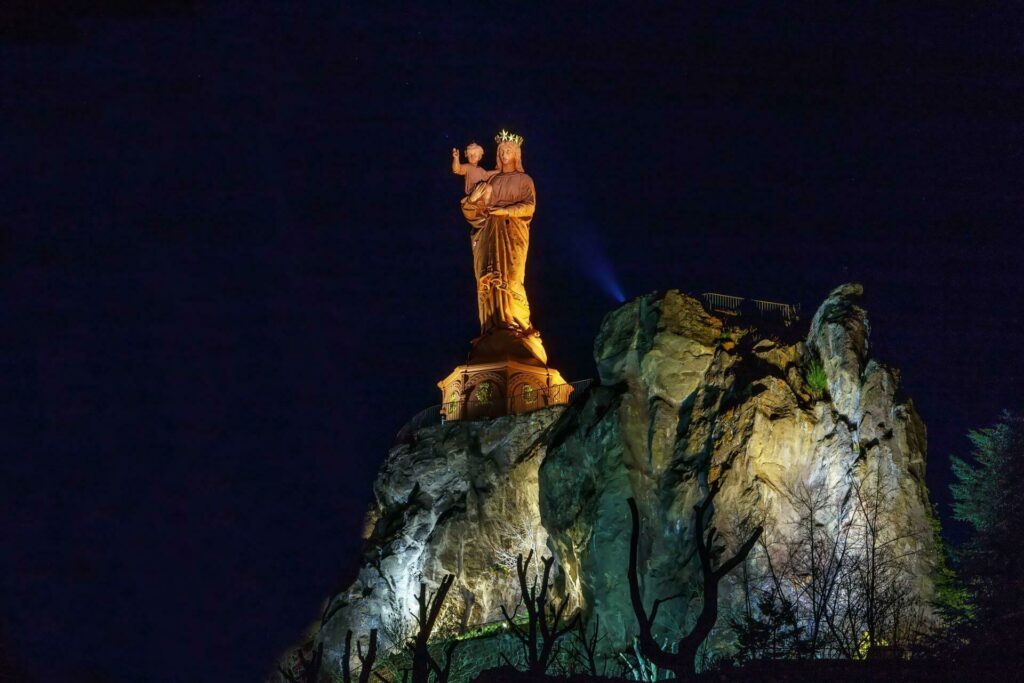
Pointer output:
233, 263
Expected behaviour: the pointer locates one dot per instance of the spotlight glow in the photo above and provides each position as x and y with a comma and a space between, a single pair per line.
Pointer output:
598, 267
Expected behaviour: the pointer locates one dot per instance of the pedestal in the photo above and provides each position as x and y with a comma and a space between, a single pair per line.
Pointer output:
501, 387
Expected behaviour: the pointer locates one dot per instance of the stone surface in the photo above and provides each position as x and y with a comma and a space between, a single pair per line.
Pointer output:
457, 498
686, 397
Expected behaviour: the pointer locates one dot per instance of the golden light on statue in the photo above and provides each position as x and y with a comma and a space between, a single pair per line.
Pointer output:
506, 371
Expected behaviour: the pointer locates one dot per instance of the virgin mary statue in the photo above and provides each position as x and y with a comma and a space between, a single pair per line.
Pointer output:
499, 211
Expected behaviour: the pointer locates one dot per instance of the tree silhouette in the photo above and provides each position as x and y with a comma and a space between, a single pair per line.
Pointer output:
543, 614
987, 497
774, 632
683, 661
587, 645
429, 609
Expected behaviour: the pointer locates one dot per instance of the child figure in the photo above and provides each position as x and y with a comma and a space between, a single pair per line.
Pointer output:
474, 174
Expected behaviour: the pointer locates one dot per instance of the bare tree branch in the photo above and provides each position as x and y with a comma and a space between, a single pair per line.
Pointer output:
683, 661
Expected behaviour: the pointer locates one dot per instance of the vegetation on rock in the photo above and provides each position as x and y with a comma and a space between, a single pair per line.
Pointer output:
817, 380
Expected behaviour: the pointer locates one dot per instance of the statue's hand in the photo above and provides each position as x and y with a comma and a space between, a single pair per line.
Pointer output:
497, 211
455, 153
480, 192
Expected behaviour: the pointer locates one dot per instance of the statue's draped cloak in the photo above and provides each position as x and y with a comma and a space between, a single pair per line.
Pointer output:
500, 245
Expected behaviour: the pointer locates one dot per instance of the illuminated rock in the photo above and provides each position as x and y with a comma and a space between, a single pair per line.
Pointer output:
456, 498
686, 396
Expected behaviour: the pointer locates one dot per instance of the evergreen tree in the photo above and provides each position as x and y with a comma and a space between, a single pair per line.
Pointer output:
952, 600
989, 496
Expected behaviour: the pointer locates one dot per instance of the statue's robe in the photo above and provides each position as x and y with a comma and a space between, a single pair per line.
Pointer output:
500, 244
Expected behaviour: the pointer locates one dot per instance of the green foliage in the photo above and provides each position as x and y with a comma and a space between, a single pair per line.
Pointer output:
731, 334
501, 570
987, 497
489, 630
817, 380
952, 599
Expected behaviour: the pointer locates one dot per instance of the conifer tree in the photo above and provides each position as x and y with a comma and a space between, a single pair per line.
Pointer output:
987, 496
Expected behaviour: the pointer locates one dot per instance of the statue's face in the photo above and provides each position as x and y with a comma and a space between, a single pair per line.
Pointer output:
506, 154
474, 154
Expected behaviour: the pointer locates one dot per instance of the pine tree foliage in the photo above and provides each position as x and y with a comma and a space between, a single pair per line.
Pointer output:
952, 600
988, 497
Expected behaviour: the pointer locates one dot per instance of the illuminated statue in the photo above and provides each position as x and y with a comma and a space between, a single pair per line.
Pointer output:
507, 371
499, 210
474, 173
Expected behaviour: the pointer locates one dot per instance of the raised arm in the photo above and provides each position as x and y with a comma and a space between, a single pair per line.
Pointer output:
457, 168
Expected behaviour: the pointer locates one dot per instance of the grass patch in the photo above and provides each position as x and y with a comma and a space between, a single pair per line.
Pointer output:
817, 380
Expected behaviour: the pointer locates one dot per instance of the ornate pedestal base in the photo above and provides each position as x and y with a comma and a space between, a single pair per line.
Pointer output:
505, 387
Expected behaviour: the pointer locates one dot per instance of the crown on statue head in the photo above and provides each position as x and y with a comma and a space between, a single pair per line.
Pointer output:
505, 136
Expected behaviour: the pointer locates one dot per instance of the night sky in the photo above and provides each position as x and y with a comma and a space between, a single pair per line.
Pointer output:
233, 263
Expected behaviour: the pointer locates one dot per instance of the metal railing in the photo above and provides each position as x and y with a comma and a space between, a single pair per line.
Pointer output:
736, 305
559, 394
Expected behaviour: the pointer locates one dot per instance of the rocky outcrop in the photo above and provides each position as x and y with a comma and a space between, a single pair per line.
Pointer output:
457, 498
687, 397
783, 416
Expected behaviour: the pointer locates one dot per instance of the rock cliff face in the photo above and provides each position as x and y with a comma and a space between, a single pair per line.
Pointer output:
457, 498
686, 397
804, 428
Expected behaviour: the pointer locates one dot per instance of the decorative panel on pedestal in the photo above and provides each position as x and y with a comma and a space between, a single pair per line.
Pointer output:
505, 387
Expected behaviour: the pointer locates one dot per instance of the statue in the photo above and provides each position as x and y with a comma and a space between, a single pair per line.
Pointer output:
499, 210
507, 371
474, 174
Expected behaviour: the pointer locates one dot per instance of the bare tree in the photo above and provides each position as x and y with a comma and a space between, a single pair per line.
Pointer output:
394, 636
429, 609
508, 535
817, 554
767, 627
880, 598
365, 662
840, 581
310, 668
544, 617
587, 646
443, 672
683, 661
